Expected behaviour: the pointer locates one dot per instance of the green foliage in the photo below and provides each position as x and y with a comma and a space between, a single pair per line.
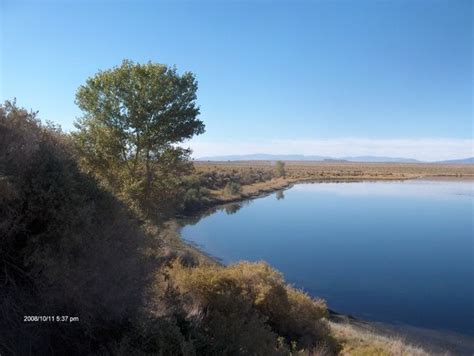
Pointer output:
280, 168
219, 176
133, 116
196, 196
248, 307
233, 188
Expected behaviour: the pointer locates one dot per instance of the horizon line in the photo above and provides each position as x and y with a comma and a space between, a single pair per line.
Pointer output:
420, 149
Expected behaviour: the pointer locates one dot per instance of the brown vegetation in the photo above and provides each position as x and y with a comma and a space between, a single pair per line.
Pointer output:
246, 309
301, 170
67, 246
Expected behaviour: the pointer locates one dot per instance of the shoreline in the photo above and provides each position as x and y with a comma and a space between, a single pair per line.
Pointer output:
259, 190
431, 340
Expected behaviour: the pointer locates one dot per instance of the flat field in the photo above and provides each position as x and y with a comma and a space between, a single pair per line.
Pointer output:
308, 170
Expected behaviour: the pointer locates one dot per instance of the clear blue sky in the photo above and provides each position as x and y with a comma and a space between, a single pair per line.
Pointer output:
267, 70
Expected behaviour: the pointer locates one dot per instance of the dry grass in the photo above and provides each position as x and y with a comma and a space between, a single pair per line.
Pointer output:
247, 309
358, 341
298, 170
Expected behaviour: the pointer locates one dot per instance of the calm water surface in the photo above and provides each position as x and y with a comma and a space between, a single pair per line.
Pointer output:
397, 252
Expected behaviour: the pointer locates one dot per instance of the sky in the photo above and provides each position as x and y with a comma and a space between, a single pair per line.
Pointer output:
337, 78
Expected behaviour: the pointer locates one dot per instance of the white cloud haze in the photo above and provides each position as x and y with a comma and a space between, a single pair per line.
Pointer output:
423, 149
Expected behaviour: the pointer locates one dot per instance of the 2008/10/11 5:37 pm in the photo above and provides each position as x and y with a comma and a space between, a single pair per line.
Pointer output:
51, 318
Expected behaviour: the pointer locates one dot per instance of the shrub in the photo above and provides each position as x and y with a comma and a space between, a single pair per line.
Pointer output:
66, 246
249, 306
196, 196
233, 188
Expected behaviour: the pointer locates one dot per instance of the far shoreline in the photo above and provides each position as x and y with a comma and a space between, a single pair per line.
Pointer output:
256, 190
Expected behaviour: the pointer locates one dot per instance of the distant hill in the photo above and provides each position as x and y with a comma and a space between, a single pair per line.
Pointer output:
370, 159
263, 157
270, 157
469, 160
380, 159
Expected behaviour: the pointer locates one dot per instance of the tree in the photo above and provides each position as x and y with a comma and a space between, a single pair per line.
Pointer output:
134, 115
280, 168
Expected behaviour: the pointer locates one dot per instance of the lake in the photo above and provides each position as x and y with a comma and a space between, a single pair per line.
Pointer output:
396, 252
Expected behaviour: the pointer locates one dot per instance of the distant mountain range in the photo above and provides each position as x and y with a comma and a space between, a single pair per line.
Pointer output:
373, 159
469, 160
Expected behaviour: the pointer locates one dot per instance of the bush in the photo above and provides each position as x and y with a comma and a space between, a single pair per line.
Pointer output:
196, 196
67, 247
233, 188
248, 307
218, 177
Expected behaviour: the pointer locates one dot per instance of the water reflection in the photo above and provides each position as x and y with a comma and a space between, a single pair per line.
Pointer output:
232, 208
